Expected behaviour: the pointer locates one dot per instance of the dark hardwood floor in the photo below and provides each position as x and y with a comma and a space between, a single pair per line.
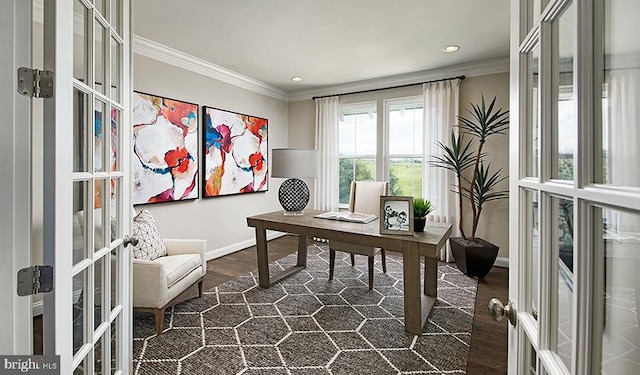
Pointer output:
488, 352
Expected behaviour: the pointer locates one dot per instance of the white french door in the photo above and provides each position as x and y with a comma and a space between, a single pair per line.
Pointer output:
86, 214
575, 187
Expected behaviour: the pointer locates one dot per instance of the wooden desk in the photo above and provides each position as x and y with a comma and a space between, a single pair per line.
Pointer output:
418, 300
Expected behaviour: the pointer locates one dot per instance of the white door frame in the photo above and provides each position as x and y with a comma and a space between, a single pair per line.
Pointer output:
58, 162
15, 184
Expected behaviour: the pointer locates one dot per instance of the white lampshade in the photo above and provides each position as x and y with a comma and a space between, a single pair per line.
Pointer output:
293, 162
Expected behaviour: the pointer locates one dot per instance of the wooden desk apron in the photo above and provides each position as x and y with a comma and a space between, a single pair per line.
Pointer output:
418, 300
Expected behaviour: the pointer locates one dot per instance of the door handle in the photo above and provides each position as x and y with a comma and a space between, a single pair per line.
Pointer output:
130, 241
498, 311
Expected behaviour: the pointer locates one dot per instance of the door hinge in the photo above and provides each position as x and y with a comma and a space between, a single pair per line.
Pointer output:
35, 83
34, 280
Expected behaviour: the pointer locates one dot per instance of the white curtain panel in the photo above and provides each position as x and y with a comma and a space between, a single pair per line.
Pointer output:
624, 136
441, 108
327, 146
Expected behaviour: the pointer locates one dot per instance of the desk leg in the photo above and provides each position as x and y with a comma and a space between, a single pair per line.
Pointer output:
302, 251
418, 298
431, 276
263, 257
264, 278
412, 292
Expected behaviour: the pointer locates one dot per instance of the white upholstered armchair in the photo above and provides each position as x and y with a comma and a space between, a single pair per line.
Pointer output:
159, 281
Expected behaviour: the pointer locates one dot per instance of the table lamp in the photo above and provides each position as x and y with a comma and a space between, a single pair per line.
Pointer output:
293, 164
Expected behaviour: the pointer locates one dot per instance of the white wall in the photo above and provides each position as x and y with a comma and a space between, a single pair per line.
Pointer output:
220, 220
302, 119
494, 223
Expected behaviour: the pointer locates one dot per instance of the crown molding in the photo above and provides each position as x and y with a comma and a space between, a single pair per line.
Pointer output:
157, 51
493, 66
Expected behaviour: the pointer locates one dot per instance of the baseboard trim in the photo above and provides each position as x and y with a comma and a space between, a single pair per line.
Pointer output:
502, 262
225, 250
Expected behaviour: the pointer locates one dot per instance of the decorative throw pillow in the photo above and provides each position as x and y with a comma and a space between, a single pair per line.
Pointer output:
150, 246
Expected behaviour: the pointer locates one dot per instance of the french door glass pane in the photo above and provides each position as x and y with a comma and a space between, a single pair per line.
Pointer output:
80, 110
115, 263
80, 246
116, 15
405, 130
98, 288
621, 93
621, 333
82, 368
116, 363
99, 63
533, 255
100, 6
79, 309
565, 134
532, 365
563, 234
533, 67
114, 219
98, 136
80, 42
116, 51
99, 204
405, 177
115, 140
533, 13
100, 365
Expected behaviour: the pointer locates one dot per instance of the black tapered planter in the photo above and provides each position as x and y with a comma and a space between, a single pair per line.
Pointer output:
419, 223
473, 259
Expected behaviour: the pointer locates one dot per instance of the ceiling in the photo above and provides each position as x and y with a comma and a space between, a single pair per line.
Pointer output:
327, 42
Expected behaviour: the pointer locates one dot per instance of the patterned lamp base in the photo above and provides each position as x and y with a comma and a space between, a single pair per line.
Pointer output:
293, 196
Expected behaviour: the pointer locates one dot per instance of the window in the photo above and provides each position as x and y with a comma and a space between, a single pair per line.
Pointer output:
405, 139
356, 146
399, 159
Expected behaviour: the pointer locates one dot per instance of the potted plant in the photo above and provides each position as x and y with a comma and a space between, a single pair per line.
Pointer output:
474, 256
421, 208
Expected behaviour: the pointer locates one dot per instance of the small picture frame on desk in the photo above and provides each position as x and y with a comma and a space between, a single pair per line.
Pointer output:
396, 215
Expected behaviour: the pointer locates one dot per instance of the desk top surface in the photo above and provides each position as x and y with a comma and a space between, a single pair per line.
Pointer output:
435, 234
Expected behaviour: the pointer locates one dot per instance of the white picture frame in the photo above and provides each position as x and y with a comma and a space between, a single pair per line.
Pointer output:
396, 215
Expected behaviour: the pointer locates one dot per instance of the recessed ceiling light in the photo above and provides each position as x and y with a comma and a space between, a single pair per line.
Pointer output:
451, 48
296, 79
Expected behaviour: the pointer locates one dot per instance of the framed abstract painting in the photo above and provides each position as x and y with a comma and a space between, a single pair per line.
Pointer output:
235, 153
165, 149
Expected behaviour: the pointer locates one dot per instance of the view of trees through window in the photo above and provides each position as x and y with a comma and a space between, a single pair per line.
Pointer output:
357, 147
358, 144
405, 133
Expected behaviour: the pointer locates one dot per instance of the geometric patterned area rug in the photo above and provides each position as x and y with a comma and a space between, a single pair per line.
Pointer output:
307, 324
